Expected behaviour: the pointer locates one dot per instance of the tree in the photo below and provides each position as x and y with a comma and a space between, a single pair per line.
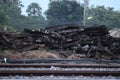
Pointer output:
64, 12
35, 18
34, 10
102, 15
3, 18
10, 10
19, 22
32, 23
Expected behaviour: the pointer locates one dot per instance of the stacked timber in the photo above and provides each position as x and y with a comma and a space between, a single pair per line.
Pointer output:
89, 41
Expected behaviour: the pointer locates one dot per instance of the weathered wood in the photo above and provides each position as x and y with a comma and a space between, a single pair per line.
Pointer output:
63, 37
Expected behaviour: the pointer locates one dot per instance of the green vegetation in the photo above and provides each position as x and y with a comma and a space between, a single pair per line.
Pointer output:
10, 16
35, 18
64, 12
58, 13
107, 16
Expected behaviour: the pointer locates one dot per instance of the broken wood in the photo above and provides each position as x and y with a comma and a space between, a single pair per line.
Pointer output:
64, 37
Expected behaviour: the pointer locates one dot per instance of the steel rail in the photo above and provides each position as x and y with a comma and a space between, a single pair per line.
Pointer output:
48, 65
57, 73
61, 61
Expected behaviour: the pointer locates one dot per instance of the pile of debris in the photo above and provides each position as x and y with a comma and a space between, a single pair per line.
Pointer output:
92, 41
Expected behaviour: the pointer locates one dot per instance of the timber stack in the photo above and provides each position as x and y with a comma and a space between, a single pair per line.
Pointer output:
92, 41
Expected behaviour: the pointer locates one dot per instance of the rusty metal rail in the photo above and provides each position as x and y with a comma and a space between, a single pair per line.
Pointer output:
47, 65
57, 73
84, 60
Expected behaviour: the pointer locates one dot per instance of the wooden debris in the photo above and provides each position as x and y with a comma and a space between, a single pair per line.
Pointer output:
93, 41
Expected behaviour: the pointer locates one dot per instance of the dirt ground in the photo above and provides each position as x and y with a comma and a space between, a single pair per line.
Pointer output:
39, 54
43, 54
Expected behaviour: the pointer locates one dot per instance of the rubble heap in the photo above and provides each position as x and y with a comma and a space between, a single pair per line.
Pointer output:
92, 41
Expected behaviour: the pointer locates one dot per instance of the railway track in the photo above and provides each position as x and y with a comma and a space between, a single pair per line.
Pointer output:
56, 72
60, 61
48, 65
